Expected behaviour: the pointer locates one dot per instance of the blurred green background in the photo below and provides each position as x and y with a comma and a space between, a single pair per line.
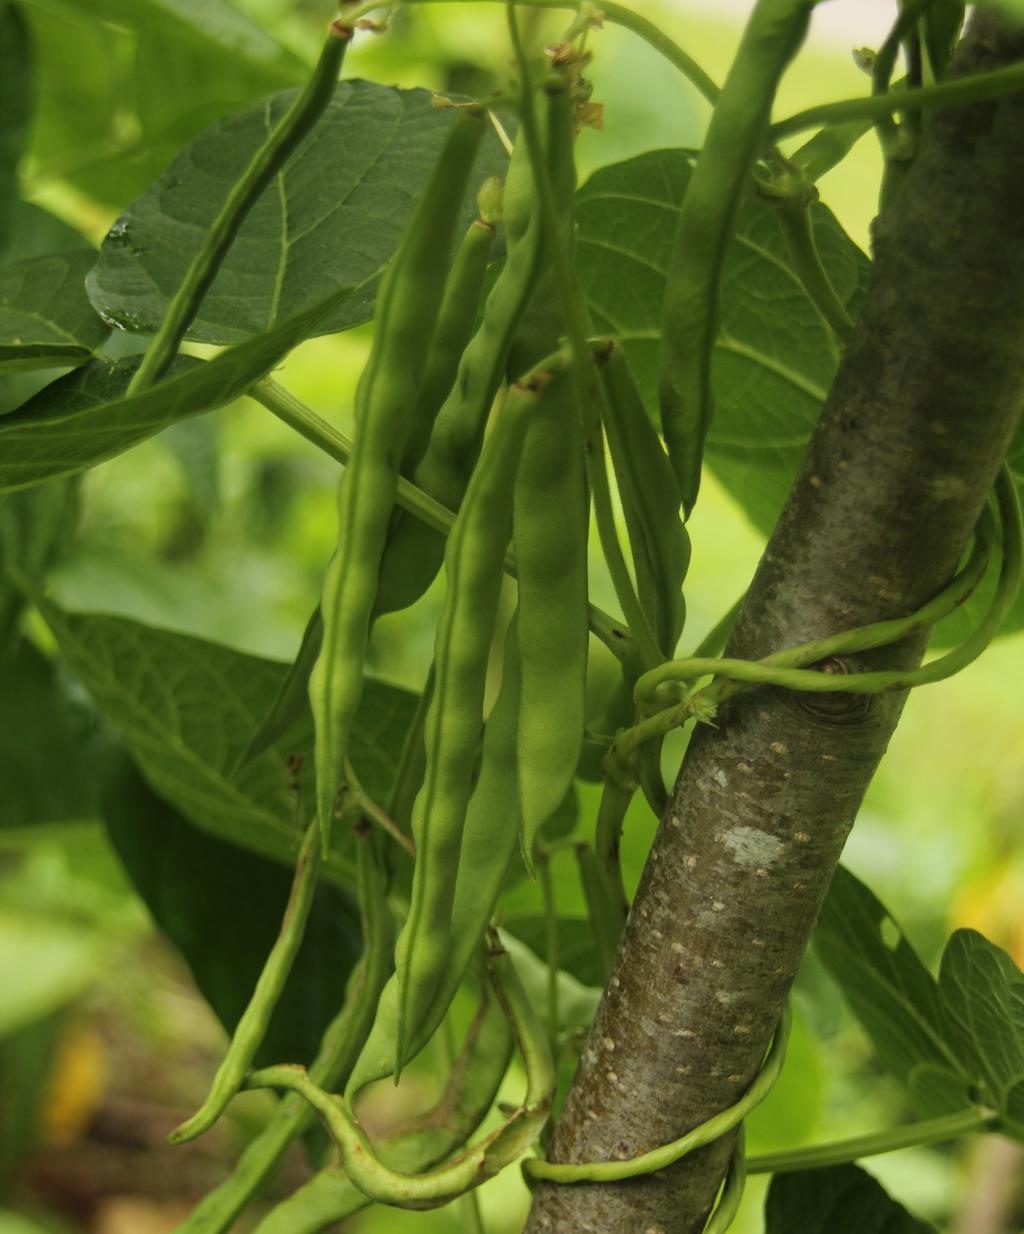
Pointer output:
221, 528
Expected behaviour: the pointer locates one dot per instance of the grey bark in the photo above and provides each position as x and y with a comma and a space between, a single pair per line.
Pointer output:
918, 419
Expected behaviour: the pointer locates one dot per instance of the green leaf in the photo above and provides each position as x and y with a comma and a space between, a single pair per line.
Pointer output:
123, 84
887, 987
88, 416
935, 1091
982, 995
842, 1200
15, 106
46, 320
335, 214
36, 529
775, 357
38, 233
576, 952
199, 888
42, 729
186, 708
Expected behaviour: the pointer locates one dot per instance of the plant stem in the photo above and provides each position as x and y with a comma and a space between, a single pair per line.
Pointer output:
839, 1152
974, 88
280, 144
795, 221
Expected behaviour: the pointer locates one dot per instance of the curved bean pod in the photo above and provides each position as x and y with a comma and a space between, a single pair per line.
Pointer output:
339, 1048
388, 390
473, 568
252, 1027
456, 320
549, 533
414, 552
736, 136
418, 1144
489, 841
475, 1165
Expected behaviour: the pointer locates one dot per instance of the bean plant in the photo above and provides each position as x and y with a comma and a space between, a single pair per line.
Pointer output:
552, 368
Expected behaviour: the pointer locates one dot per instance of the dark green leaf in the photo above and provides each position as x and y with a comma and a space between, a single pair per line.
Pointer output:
46, 320
576, 951
199, 888
842, 1200
186, 708
44, 765
15, 106
982, 996
36, 529
887, 987
88, 416
935, 1091
775, 356
335, 214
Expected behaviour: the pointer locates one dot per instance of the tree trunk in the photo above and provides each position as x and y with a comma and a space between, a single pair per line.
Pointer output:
918, 419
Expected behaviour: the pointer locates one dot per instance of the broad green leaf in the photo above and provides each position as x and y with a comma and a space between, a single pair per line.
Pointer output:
576, 1002
199, 888
46, 320
36, 530
186, 708
841, 1200
577, 954
775, 356
887, 987
123, 84
43, 965
982, 995
334, 215
15, 105
88, 416
44, 765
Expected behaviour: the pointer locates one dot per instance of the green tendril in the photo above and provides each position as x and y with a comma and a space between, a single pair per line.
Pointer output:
668, 1154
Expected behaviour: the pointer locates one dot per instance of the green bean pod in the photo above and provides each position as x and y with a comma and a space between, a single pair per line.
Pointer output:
414, 552
456, 320
475, 1164
422, 1142
252, 1027
489, 841
473, 567
342, 1041
388, 391
550, 527
650, 501
735, 137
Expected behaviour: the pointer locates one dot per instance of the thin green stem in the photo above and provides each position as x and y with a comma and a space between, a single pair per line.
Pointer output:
795, 221
574, 317
961, 90
268, 160
892, 1139
366, 805
305, 421
615, 799
615, 14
